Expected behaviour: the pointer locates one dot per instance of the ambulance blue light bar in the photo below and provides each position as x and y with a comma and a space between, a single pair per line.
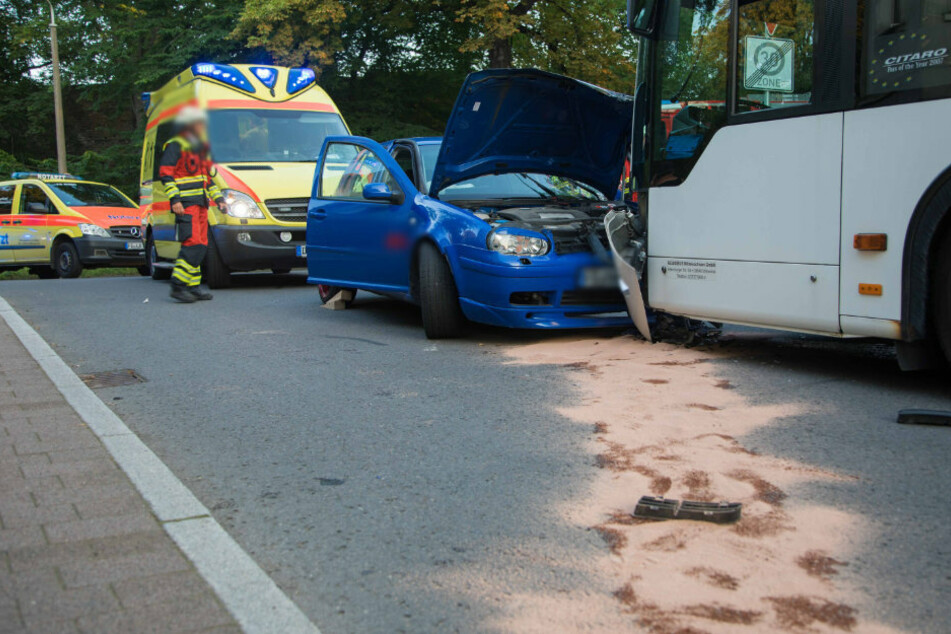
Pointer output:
299, 78
223, 73
267, 76
46, 176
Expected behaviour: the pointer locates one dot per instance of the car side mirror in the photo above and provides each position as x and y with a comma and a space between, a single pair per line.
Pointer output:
37, 208
380, 191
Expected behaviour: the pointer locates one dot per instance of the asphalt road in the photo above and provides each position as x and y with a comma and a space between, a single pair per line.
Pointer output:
374, 473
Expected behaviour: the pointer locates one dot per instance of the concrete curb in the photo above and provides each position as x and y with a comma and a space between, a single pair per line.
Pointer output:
251, 596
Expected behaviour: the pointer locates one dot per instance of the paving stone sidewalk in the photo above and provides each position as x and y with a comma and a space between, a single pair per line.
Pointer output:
79, 549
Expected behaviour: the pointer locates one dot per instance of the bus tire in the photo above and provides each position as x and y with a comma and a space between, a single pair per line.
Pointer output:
213, 271
158, 273
66, 261
941, 294
438, 297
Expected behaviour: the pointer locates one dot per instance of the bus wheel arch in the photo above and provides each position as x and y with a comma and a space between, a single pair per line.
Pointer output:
930, 224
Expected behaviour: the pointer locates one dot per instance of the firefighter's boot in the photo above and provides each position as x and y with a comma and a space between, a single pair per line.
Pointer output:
181, 294
201, 292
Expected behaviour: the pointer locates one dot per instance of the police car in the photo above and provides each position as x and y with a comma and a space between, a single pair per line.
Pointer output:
59, 224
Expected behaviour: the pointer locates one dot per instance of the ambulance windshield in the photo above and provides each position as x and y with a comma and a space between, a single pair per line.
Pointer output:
267, 136
89, 195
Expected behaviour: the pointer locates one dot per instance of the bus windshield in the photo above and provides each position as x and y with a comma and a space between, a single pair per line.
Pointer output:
268, 136
90, 195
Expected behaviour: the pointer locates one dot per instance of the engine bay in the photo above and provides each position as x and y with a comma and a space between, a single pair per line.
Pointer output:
573, 228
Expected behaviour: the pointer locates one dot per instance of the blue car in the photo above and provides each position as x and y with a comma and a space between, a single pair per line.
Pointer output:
500, 222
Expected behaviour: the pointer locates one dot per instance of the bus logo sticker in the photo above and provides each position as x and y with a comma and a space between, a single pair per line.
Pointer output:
769, 64
907, 62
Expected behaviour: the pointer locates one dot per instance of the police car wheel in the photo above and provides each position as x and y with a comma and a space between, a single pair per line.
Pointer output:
157, 272
438, 297
66, 260
327, 292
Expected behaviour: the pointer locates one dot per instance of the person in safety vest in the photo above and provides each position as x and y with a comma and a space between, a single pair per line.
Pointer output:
188, 176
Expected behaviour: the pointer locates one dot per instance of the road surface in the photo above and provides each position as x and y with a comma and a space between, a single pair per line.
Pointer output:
360, 464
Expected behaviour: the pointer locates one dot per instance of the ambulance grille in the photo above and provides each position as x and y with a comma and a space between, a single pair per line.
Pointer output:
126, 232
288, 209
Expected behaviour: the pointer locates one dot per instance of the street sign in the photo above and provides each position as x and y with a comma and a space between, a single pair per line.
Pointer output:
769, 64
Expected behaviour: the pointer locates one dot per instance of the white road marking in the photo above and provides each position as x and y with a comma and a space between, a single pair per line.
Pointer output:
251, 596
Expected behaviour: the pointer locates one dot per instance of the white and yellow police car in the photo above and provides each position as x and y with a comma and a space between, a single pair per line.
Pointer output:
59, 224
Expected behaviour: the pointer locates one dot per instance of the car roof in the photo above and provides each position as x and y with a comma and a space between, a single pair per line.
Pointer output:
420, 140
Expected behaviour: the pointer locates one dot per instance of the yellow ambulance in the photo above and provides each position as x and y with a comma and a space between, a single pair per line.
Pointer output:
266, 125
59, 224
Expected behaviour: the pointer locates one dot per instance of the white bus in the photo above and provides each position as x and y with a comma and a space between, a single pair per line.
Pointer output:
792, 164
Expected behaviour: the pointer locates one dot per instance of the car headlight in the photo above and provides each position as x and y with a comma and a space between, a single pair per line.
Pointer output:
517, 243
240, 205
94, 230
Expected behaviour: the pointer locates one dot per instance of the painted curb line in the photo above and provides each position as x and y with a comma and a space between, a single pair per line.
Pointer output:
249, 594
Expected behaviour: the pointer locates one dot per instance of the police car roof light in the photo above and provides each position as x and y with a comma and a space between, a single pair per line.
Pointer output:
47, 176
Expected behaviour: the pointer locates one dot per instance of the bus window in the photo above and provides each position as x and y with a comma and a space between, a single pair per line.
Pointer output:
907, 45
774, 47
692, 86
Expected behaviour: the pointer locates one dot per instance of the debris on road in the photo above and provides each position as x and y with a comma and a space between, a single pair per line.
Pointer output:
660, 508
924, 417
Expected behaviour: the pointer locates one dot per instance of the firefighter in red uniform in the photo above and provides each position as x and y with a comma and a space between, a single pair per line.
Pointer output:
188, 176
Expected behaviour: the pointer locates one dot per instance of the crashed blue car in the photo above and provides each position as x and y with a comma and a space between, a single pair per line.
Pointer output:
499, 222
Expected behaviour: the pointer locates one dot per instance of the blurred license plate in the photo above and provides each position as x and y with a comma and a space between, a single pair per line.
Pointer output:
302, 251
598, 277
134, 246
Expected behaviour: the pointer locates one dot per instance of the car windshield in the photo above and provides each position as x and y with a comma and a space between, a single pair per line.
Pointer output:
247, 136
90, 195
499, 186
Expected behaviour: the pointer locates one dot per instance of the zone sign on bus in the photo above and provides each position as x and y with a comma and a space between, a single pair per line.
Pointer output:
768, 64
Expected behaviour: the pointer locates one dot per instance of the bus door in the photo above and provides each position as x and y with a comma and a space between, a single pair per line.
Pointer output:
28, 233
896, 145
744, 181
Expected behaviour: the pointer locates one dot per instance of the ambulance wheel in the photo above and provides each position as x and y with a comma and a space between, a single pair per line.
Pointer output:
66, 260
327, 292
213, 271
145, 270
941, 292
438, 297
157, 272
45, 272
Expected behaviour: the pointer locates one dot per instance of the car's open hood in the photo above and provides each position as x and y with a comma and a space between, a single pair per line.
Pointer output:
512, 120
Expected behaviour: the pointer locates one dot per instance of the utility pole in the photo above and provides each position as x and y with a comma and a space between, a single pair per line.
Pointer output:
57, 98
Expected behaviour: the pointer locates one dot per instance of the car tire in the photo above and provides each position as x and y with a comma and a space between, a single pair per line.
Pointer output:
213, 270
151, 253
280, 271
438, 297
326, 292
45, 272
941, 295
66, 261
145, 270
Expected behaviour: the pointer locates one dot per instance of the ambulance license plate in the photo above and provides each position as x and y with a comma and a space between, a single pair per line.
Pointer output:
302, 250
134, 246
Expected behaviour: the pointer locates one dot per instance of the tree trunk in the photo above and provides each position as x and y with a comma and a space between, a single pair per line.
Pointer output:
500, 53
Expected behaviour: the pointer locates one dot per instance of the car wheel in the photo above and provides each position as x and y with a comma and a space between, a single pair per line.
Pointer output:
941, 294
438, 297
280, 271
66, 260
45, 272
157, 272
327, 293
213, 271
145, 270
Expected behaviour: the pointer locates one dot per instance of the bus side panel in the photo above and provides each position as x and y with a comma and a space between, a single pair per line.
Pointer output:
891, 155
756, 293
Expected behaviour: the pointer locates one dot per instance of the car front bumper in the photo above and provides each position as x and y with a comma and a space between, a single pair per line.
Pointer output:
95, 251
253, 247
499, 293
